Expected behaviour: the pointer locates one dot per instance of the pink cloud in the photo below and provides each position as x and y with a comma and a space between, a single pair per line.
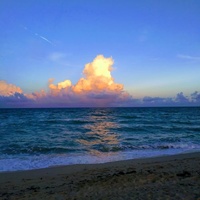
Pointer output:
96, 88
7, 89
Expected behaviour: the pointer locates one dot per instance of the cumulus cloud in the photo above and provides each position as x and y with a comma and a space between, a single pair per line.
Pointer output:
60, 88
13, 96
16, 100
195, 97
97, 87
98, 77
7, 89
181, 98
157, 101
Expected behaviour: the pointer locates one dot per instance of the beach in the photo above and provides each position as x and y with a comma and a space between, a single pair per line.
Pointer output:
167, 177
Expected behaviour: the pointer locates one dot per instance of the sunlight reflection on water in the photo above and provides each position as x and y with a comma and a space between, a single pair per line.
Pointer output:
100, 132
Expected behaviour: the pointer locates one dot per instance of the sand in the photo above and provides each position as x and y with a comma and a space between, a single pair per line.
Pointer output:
168, 177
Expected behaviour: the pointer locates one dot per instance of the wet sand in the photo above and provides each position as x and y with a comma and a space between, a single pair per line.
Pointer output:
168, 177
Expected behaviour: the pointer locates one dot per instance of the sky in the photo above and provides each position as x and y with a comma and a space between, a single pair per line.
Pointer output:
57, 53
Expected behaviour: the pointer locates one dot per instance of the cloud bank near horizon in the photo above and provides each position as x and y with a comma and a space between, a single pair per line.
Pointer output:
96, 88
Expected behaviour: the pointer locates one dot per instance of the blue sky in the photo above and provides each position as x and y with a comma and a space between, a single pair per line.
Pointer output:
155, 44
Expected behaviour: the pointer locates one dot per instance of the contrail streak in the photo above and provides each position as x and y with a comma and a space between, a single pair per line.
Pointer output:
45, 39
40, 36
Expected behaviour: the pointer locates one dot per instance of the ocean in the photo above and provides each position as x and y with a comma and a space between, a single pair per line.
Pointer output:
40, 138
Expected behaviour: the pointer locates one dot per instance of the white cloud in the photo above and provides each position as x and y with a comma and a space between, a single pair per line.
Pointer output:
188, 57
57, 56
45, 39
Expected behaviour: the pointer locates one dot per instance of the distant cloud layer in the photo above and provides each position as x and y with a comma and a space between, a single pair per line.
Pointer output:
97, 87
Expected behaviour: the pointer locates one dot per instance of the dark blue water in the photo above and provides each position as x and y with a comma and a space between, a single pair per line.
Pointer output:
37, 138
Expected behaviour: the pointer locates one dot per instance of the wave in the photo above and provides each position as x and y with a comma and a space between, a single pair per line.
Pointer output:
32, 136
18, 150
129, 147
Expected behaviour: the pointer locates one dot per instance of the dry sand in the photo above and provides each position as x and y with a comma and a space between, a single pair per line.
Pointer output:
169, 177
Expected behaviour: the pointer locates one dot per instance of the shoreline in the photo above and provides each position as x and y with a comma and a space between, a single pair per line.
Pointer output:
142, 160
155, 177
30, 164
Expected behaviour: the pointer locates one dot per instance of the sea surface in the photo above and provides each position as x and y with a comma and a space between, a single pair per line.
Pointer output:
40, 138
